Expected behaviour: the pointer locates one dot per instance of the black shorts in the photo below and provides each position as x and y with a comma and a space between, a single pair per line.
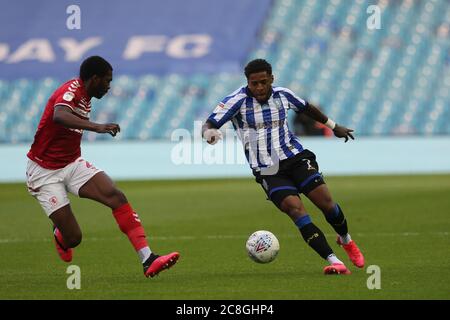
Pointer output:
299, 174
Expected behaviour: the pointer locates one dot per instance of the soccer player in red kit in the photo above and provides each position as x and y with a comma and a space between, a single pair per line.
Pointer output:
55, 166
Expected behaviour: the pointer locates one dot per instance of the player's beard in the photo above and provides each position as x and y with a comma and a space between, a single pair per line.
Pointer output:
101, 94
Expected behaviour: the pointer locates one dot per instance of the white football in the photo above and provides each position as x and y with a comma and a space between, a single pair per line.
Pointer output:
262, 246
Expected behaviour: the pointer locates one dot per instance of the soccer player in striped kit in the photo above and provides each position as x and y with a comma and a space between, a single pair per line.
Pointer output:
55, 166
279, 162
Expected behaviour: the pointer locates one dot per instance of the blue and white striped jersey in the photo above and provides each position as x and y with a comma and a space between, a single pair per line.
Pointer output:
263, 129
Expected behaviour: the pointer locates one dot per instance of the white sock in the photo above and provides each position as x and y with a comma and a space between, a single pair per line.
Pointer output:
144, 253
346, 239
333, 259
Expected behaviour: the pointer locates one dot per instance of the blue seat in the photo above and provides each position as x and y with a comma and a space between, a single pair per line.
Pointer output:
388, 81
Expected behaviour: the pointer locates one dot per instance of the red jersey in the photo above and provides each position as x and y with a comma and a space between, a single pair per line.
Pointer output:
55, 146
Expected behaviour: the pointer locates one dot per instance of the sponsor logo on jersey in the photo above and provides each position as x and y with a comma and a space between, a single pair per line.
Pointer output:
80, 131
278, 103
265, 106
68, 96
219, 107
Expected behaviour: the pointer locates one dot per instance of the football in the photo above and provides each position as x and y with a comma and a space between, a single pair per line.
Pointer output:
262, 246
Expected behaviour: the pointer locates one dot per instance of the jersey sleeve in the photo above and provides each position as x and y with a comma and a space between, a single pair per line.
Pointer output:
295, 103
67, 98
72, 97
226, 110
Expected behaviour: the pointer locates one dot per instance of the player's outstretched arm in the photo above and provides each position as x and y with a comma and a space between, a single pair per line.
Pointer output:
339, 131
63, 115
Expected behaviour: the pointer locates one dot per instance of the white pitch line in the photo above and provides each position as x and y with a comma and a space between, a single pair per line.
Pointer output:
225, 237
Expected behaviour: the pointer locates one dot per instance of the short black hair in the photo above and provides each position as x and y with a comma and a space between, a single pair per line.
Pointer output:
94, 65
257, 65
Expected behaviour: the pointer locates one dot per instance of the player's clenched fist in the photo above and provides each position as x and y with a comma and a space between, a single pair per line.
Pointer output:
343, 132
111, 128
212, 135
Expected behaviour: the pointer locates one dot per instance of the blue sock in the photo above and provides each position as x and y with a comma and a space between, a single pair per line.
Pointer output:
337, 220
313, 236
303, 221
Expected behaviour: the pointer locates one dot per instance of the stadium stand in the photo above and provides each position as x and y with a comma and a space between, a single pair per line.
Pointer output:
391, 81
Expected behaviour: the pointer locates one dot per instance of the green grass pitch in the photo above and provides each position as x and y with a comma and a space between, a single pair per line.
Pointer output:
402, 224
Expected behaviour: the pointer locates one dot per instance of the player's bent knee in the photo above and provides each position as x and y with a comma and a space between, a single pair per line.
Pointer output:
321, 197
295, 213
114, 199
73, 240
120, 197
285, 205
291, 208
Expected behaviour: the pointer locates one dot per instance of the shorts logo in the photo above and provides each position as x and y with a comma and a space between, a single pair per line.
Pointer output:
88, 165
308, 162
53, 201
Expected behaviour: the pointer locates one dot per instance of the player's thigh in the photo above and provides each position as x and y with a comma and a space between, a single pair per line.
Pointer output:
55, 202
86, 181
277, 187
305, 173
78, 174
101, 188
65, 221
293, 206
51, 197
321, 197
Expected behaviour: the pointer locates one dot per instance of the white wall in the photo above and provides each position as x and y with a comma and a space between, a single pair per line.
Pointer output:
157, 160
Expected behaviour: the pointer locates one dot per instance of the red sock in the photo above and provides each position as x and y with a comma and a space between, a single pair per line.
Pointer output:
130, 224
